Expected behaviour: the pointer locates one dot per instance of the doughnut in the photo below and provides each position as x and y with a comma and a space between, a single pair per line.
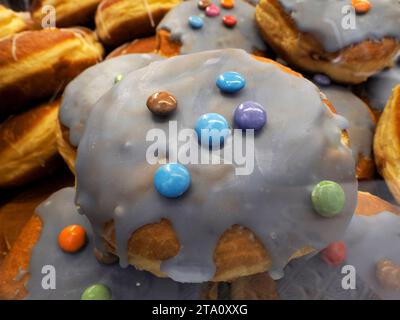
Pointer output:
83, 92
28, 147
361, 127
319, 36
118, 21
387, 144
177, 36
38, 64
144, 45
37, 246
191, 79
12, 22
378, 88
68, 13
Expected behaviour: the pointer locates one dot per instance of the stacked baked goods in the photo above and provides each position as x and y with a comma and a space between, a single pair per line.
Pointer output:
195, 157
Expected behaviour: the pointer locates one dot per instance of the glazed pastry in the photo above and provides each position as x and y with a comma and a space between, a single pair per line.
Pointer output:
361, 127
28, 147
318, 36
123, 116
12, 22
177, 34
379, 87
118, 21
39, 64
387, 143
84, 91
145, 45
68, 13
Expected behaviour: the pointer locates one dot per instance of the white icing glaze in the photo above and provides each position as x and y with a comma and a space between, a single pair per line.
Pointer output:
323, 19
361, 125
83, 92
299, 147
213, 35
75, 272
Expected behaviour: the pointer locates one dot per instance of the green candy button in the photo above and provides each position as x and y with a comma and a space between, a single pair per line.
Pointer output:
328, 198
118, 78
96, 292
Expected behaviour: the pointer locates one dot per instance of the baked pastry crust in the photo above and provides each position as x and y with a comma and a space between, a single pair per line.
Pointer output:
28, 147
145, 45
11, 22
69, 12
39, 64
118, 21
351, 65
387, 144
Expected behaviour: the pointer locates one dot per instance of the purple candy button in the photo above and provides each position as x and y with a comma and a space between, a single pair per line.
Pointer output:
250, 115
322, 80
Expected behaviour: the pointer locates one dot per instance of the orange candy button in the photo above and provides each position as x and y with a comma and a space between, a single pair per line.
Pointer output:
227, 4
72, 238
361, 6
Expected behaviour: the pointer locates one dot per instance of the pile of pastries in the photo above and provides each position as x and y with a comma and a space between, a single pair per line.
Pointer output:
317, 83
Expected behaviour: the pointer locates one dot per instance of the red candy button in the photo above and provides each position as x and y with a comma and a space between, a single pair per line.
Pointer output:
229, 21
334, 254
72, 238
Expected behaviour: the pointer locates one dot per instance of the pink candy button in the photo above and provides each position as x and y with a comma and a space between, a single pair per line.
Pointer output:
212, 10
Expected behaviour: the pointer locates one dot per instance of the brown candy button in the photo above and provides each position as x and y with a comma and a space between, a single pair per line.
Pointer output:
203, 4
161, 103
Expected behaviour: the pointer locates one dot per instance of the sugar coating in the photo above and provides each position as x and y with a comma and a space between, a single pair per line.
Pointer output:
213, 35
300, 147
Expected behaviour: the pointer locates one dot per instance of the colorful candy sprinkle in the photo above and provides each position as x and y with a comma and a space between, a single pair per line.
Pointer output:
212, 10
196, 22
203, 4
227, 4
230, 82
72, 238
96, 292
172, 180
250, 115
334, 254
212, 129
328, 198
229, 21
162, 103
322, 80
361, 6
118, 78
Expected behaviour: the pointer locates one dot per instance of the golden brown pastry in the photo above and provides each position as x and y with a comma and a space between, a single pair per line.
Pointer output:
387, 144
309, 36
118, 21
39, 64
68, 12
28, 148
145, 45
12, 22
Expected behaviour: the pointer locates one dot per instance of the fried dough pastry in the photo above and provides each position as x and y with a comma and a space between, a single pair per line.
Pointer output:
387, 144
145, 45
28, 148
69, 13
12, 22
118, 21
39, 64
346, 56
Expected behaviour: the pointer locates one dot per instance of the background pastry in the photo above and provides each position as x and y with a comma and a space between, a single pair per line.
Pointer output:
317, 36
143, 45
118, 21
28, 148
12, 22
84, 91
69, 13
39, 64
188, 29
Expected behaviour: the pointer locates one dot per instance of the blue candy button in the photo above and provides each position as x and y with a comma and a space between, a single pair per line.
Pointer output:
230, 82
212, 129
196, 22
172, 180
